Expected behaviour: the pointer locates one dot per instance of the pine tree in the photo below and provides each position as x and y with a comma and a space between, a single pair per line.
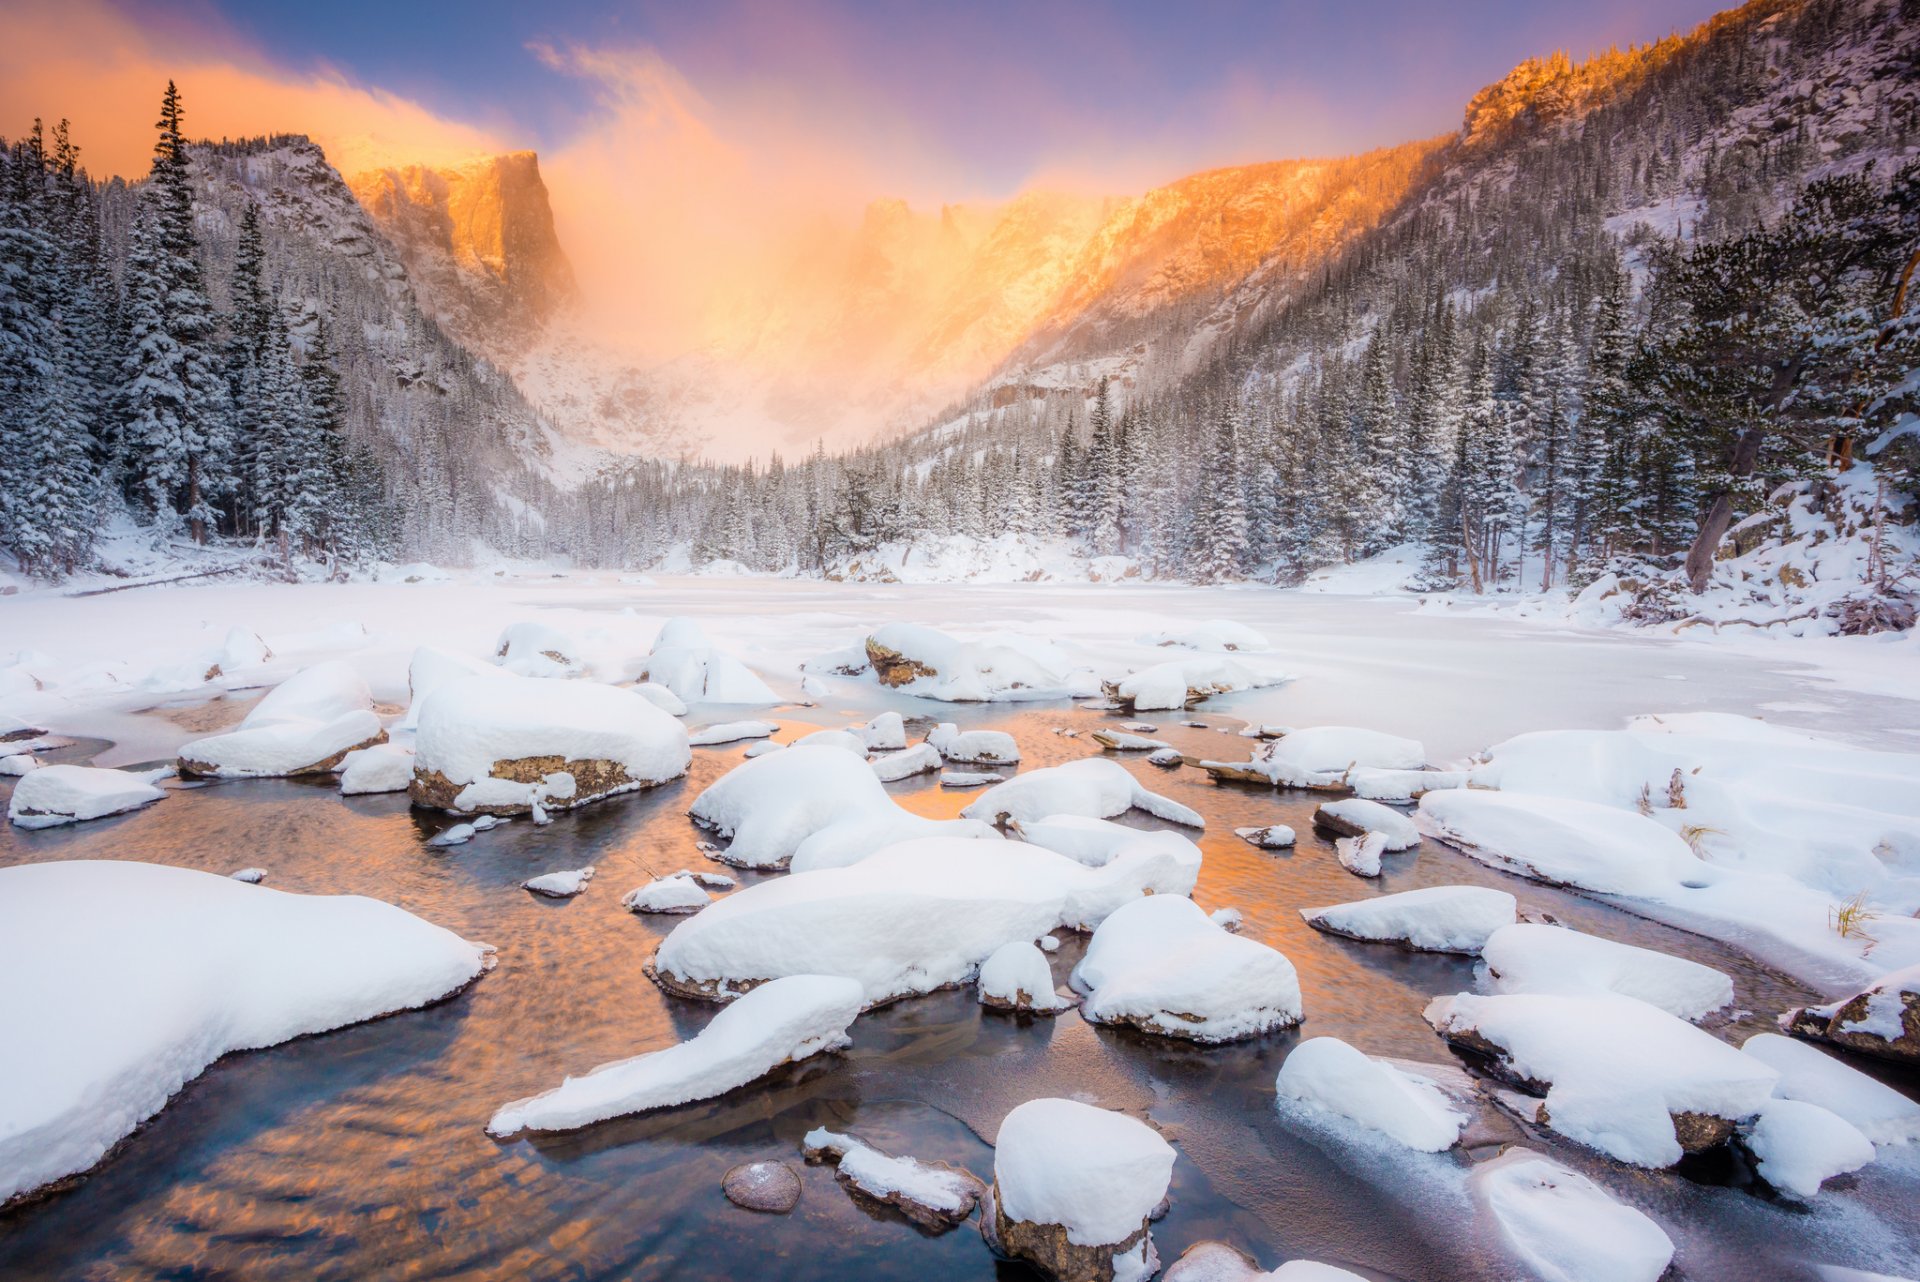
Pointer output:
1217, 546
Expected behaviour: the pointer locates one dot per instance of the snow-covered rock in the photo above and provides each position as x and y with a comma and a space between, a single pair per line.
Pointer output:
1094, 786
920, 759
164, 970
1095, 842
1798, 1146
1073, 1189
1321, 756
1361, 855
431, 667
1562, 1227
1882, 1019
660, 697
974, 747
1526, 957
1356, 817
1564, 842
251, 876
1183, 683
1439, 919
1621, 1076
1016, 977
560, 885
761, 748
1811, 1076
1120, 741
55, 795
731, 732
507, 744
931, 1194
16, 764
843, 740
1401, 785
1166, 758
385, 767
1326, 1074
305, 725
887, 732
678, 893
1271, 837
910, 918
1217, 1262
1212, 634
778, 1023
924, 661
530, 649
687, 663
968, 778
1161, 965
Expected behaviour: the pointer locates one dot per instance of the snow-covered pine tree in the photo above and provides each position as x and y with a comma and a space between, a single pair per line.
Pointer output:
1217, 544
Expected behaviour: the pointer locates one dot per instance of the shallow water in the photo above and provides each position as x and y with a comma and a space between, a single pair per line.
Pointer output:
362, 1153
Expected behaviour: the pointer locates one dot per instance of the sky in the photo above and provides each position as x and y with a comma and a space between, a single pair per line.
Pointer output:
677, 138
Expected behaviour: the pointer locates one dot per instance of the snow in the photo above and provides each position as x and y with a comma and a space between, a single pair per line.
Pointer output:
1529, 958
1319, 756
1361, 855
55, 795
251, 876
470, 723
974, 747
731, 732
1162, 965
1616, 1068
922, 758
1016, 974
1095, 787
660, 697
762, 748
1212, 634
385, 767
1170, 686
1166, 758
968, 778
1562, 1227
164, 970
1330, 1076
1372, 817
533, 649
1401, 785
677, 893
886, 732
1442, 919
1797, 1146
560, 885
810, 806
311, 718
949, 1195
952, 670
780, 1022
687, 663
842, 740
429, 668
1095, 842
1811, 1076
1096, 1173
1271, 837
1119, 741
18, 763
910, 918
1564, 842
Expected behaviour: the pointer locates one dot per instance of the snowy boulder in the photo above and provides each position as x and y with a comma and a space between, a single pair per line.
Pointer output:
1356, 817
305, 725
1073, 1189
920, 759
55, 795
1166, 758
761, 748
1564, 842
677, 894
687, 663
1162, 966
887, 732
1212, 634
1361, 855
660, 697
1811, 1076
908, 919
1562, 1227
1526, 957
1797, 1146
1210, 1261
1619, 1075
432, 667
1183, 683
844, 740
506, 745
1016, 977
560, 885
923, 661
1882, 1020
779, 1023
1329, 1076
164, 970
1321, 757
385, 767
1435, 919
968, 778
1120, 741
731, 732
1401, 785
1095, 842
15, 764
974, 747
537, 650
1094, 786
1271, 837
932, 1195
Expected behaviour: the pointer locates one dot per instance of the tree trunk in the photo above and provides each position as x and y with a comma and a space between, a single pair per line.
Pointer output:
195, 524
1713, 526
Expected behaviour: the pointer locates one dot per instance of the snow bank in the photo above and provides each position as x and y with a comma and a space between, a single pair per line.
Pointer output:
1016, 977
1798, 1146
1440, 919
974, 747
778, 1023
1212, 634
1183, 683
1321, 756
532, 649
1564, 842
1811, 1076
488, 743
305, 725
1356, 817
1529, 958
1093, 1172
927, 662
432, 667
55, 795
1619, 1073
1161, 965
687, 663
1562, 1227
907, 919
385, 767
1328, 1075
1094, 787
164, 970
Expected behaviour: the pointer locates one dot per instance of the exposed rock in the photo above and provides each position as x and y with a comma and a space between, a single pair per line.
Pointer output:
771, 1187
893, 668
1048, 1249
592, 780
1883, 1021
